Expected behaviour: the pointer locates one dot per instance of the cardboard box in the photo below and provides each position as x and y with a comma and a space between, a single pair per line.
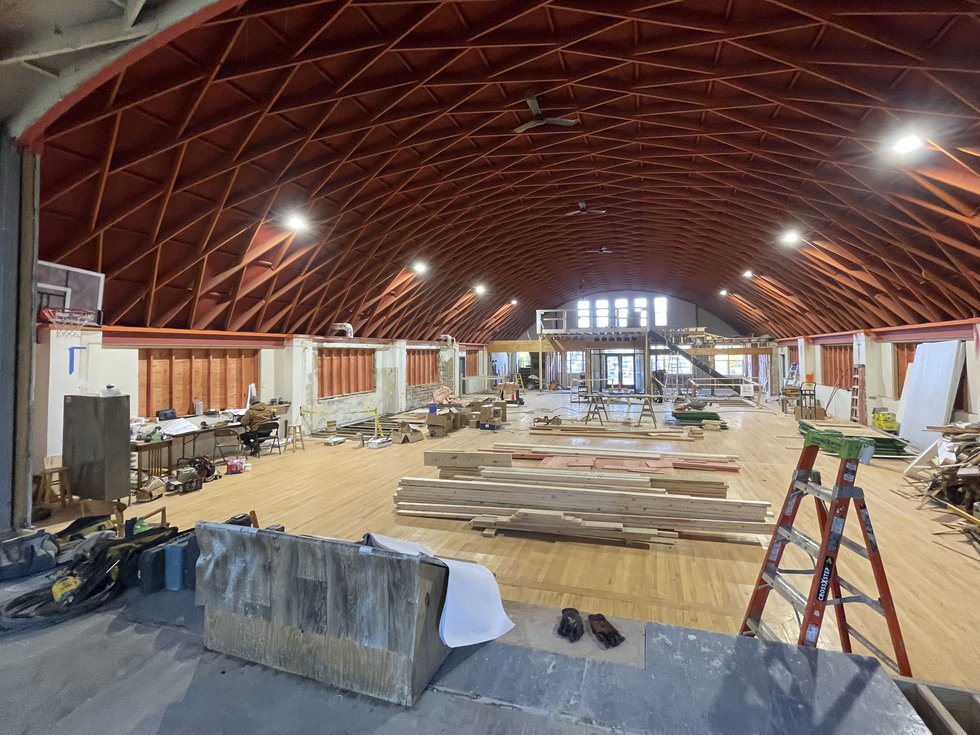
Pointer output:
439, 424
406, 434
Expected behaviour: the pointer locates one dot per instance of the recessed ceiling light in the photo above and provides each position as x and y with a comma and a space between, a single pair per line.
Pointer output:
297, 222
480, 289
907, 143
747, 274
513, 302
790, 237
420, 267
723, 292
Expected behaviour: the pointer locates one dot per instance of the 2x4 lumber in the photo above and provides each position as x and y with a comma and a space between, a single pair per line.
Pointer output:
708, 525
572, 499
560, 449
631, 435
693, 489
646, 536
442, 458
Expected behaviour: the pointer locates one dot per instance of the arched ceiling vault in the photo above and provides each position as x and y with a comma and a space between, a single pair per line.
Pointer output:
706, 128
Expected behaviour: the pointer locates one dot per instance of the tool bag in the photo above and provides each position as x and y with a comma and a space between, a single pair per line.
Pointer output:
204, 467
26, 555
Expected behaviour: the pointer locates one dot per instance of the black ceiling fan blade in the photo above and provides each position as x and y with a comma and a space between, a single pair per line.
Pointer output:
565, 123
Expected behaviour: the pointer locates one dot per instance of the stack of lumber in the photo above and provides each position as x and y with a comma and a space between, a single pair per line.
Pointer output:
638, 482
649, 508
600, 432
886, 445
496, 467
557, 523
697, 418
457, 464
629, 507
655, 461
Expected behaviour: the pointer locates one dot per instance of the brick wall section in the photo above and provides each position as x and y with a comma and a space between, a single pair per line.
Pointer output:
417, 396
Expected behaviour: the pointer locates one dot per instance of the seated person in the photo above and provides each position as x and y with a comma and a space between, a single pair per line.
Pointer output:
257, 414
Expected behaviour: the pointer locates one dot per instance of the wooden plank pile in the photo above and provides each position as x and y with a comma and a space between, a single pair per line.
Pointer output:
599, 432
655, 461
955, 473
705, 419
886, 445
558, 523
632, 508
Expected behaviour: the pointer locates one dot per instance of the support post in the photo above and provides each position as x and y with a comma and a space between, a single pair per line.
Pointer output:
18, 254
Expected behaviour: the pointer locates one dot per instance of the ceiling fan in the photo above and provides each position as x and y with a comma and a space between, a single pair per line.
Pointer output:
539, 117
604, 250
583, 209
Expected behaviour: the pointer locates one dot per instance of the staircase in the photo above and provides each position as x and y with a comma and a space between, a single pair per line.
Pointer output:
658, 338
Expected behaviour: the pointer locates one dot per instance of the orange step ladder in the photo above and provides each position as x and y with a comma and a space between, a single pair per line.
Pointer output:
827, 586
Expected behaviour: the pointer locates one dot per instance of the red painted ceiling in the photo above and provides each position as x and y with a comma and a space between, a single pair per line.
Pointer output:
706, 128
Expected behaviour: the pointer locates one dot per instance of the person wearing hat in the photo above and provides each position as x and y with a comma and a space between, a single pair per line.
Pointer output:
257, 414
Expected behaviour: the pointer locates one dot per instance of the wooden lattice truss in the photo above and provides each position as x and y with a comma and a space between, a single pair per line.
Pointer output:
705, 129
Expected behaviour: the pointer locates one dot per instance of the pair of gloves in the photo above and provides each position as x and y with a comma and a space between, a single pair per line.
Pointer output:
572, 628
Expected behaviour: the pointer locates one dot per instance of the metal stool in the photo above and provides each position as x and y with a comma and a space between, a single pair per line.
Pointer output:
296, 437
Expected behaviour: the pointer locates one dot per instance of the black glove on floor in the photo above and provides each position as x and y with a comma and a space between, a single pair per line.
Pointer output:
604, 631
571, 626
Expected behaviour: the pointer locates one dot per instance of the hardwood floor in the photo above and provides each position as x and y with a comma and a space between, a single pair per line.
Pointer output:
344, 492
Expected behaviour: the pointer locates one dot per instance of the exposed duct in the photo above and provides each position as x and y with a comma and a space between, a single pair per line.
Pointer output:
346, 327
447, 338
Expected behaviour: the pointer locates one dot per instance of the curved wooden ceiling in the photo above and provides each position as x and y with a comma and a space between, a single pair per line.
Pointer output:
706, 128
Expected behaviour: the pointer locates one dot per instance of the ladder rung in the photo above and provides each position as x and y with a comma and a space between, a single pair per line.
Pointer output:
812, 546
824, 493
787, 591
871, 647
761, 630
854, 546
860, 596
800, 539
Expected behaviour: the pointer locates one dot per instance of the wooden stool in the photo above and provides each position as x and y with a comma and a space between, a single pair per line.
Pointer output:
51, 478
296, 437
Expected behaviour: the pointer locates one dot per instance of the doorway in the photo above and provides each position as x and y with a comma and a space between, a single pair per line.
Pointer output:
620, 371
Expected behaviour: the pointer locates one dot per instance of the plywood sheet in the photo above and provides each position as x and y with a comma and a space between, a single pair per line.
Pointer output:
930, 390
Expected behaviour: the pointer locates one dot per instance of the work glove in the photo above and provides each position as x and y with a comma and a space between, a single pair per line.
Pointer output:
604, 631
571, 626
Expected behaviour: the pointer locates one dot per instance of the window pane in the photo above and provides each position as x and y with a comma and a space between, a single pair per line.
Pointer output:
622, 312
602, 313
660, 311
576, 362
583, 305
640, 303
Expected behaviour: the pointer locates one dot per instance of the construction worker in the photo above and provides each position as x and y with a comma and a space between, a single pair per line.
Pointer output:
257, 414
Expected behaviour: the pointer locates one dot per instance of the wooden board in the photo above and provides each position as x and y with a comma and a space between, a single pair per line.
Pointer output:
442, 458
604, 451
614, 480
420, 489
707, 525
